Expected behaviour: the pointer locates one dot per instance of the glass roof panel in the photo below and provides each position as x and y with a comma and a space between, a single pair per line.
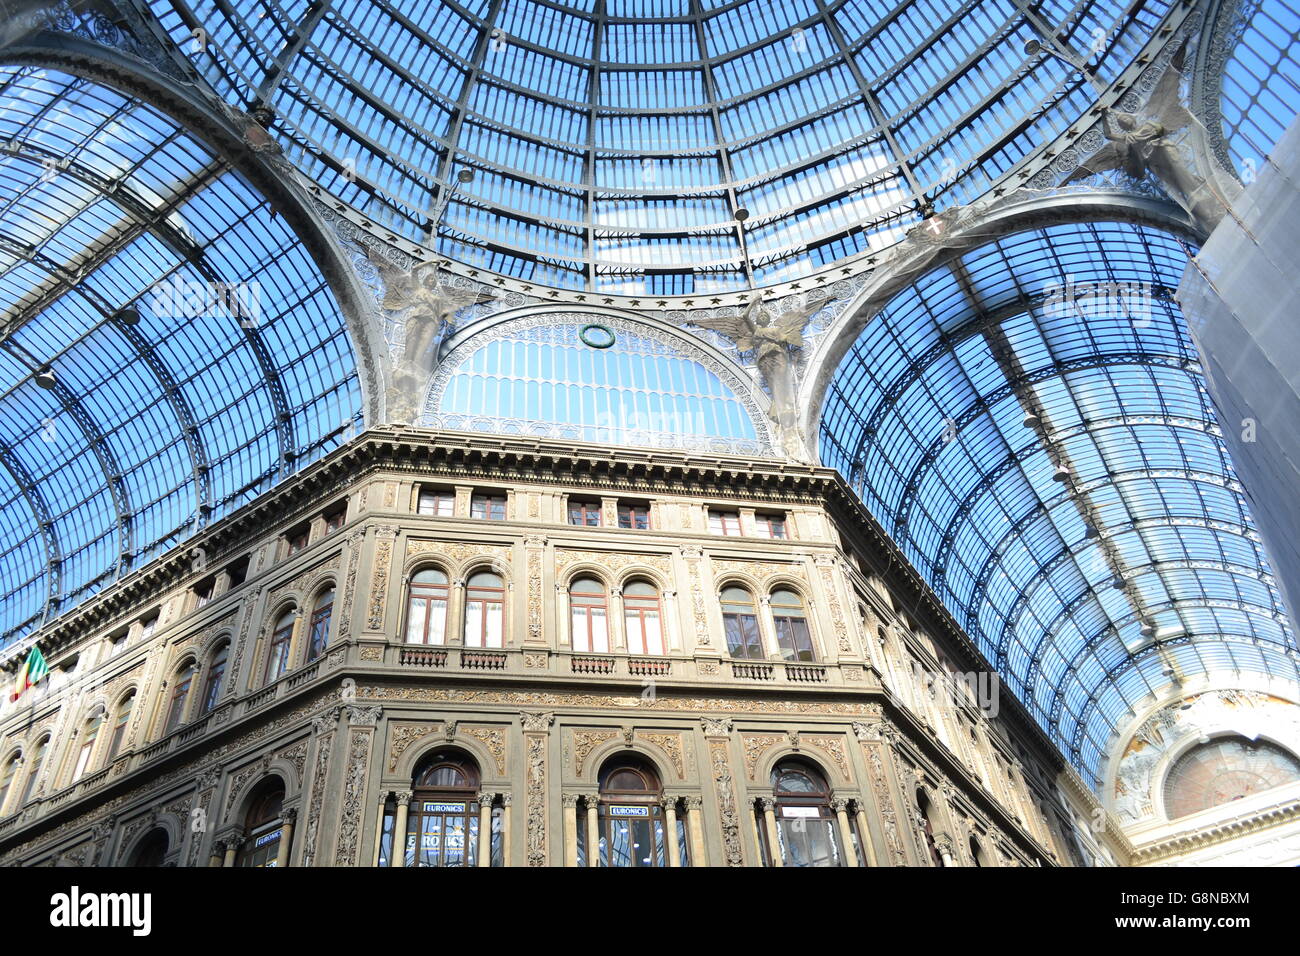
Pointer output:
237, 371
934, 433
614, 382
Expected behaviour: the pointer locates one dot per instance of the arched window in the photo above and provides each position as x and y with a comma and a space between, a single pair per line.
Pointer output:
741, 624
264, 824
180, 694
631, 815
120, 724
34, 771
426, 608
319, 632
589, 613
216, 674
643, 618
152, 850
87, 749
485, 610
927, 827
791, 623
1224, 770
7, 779
277, 650
805, 822
442, 826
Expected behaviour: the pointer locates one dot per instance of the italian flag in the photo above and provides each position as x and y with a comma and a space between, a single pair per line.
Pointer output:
33, 669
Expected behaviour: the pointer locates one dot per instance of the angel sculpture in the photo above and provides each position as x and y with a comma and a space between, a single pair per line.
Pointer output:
430, 309
772, 336
1146, 143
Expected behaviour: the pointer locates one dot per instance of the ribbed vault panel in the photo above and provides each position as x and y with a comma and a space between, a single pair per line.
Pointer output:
155, 427
926, 417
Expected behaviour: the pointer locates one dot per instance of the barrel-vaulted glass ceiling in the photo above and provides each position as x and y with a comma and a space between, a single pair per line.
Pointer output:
229, 368
926, 415
610, 141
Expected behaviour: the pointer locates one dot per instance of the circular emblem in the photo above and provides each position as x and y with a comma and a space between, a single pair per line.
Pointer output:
596, 336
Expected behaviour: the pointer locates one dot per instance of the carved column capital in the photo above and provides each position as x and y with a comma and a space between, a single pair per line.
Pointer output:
716, 726
537, 723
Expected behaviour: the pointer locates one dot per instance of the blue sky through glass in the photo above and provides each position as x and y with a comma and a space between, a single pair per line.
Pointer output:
925, 414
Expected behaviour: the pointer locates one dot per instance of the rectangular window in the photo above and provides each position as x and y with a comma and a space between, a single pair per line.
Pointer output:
334, 519
440, 504
488, 507
793, 637
771, 526
296, 541
237, 572
147, 627
203, 593
590, 628
585, 513
724, 523
83, 760
636, 517
743, 642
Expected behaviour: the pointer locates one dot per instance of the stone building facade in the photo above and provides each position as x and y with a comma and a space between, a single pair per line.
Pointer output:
277, 695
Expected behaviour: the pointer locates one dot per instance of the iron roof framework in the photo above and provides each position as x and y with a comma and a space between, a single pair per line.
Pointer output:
121, 236
1075, 326
612, 140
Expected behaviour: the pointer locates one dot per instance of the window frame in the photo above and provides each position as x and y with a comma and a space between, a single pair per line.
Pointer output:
588, 602
757, 643
489, 503
438, 497
485, 599
586, 509
722, 522
280, 639
634, 516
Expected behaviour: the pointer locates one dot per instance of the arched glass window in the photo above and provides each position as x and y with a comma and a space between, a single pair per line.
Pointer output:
426, 608
264, 823
120, 724
927, 828
87, 749
7, 779
643, 618
1224, 770
485, 610
589, 613
631, 815
216, 674
805, 822
791, 624
442, 826
319, 633
277, 651
180, 694
741, 624
152, 850
34, 771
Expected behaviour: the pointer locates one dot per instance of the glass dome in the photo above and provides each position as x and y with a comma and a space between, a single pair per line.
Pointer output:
595, 379
611, 141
